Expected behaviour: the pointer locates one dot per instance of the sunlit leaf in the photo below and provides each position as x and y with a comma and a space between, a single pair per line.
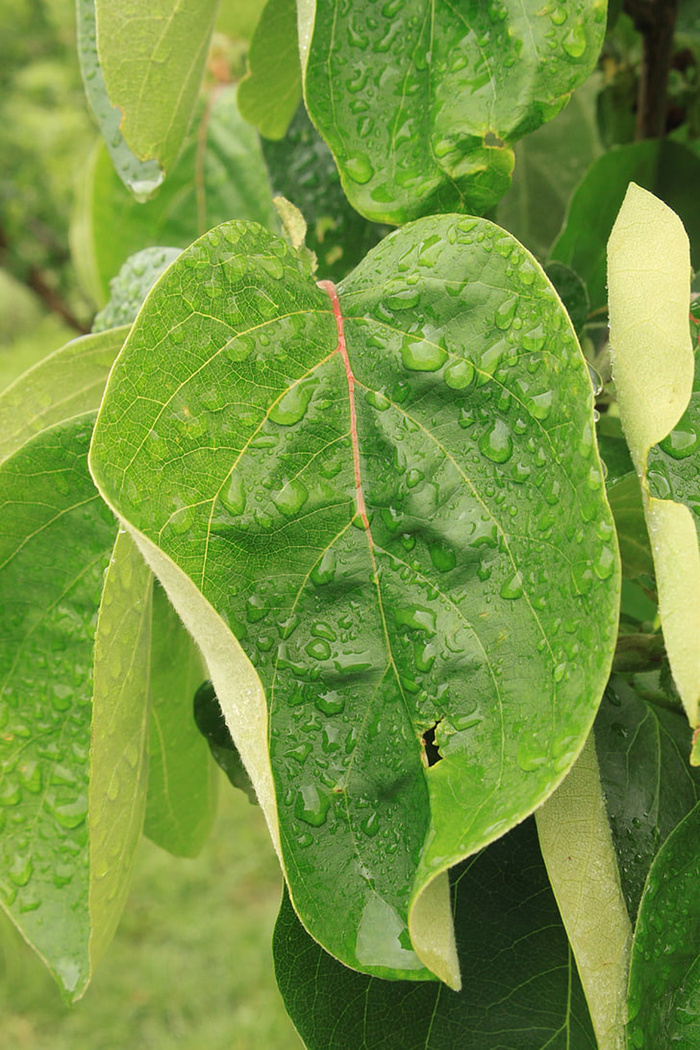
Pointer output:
269, 94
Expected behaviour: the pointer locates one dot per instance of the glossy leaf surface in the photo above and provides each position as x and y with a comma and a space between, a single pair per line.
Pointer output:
270, 92
152, 61
664, 994
521, 990
420, 102
55, 542
132, 284
399, 511
182, 778
141, 175
648, 785
219, 175
64, 384
667, 169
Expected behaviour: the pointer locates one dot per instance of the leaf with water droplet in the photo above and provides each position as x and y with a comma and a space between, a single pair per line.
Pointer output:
421, 106
433, 551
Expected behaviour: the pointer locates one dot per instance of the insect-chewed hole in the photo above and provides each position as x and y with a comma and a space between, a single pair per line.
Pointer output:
431, 752
493, 140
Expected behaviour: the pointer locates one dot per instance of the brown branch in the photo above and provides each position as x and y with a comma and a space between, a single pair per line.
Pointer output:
656, 21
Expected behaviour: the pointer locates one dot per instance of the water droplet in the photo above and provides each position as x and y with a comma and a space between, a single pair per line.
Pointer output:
370, 825
332, 703
540, 405
234, 500
324, 571
513, 587
291, 498
558, 16
70, 814
506, 312
530, 755
359, 168
293, 404
443, 558
497, 444
681, 442
311, 805
574, 43
256, 608
319, 649
459, 375
421, 355
415, 617
21, 869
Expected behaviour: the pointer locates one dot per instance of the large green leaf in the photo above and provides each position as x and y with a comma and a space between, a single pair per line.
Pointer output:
664, 996
669, 170
152, 62
421, 101
182, 779
56, 536
142, 176
66, 383
271, 91
393, 500
302, 169
220, 174
648, 785
521, 990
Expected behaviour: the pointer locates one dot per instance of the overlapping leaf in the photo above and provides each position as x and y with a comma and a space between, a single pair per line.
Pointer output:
131, 286
421, 100
395, 504
270, 92
520, 990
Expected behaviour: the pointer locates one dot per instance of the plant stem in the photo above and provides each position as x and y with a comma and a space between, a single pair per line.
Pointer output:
656, 21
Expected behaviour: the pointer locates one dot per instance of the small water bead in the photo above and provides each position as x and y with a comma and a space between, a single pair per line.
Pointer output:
415, 617
319, 649
497, 444
422, 355
574, 43
513, 587
291, 499
292, 406
682, 441
459, 374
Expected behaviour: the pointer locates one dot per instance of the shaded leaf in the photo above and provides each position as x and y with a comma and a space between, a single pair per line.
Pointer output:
396, 520
220, 174
648, 785
141, 175
269, 94
581, 862
212, 725
132, 284
152, 62
302, 169
420, 115
66, 383
625, 498
614, 450
520, 984
572, 292
182, 779
669, 170
664, 995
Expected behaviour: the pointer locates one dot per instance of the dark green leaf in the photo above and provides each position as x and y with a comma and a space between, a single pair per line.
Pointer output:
182, 779
269, 94
421, 102
649, 787
670, 171
521, 990
132, 284
626, 504
664, 997
407, 535
302, 169
614, 450
572, 292
212, 725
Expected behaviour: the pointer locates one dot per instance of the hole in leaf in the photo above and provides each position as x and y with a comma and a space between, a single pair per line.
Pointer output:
431, 753
493, 140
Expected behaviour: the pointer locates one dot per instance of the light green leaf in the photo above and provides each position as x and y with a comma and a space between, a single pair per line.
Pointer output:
152, 60
628, 510
66, 383
520, 990
391, 496
119, 747
238, 18
220, 174
421, 101
270, 92
653, 367
132, 284
582, 866
182, 779
664, 993
56, 537
141, 175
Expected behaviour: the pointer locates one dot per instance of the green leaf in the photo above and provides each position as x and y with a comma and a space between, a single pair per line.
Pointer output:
647, 782
625, 498
547, 171
141, 175
572, 292
653, 367
421, 103
581, 862
182, 779
132, 284
119, 747
211, 723
669, 170
664, 995
238, 18
520, 985
66, 383
270, 92
613, 449
56, 536
394, 501
152, 62
219, 175
302, 169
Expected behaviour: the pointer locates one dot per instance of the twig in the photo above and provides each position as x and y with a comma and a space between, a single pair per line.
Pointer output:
656, 21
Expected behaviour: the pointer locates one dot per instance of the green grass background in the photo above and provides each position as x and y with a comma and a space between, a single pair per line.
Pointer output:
190, 966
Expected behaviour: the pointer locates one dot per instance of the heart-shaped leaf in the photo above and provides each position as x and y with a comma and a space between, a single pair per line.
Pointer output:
421, 102
390, 495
